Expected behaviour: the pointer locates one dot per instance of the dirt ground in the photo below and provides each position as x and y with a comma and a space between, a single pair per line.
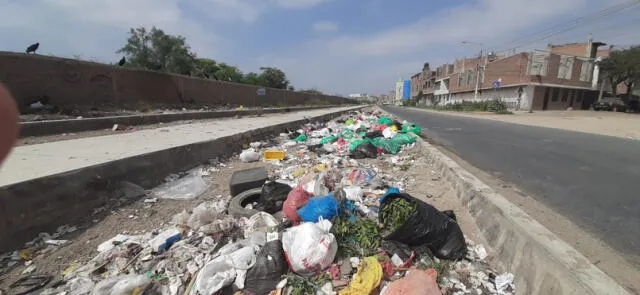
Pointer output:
622, 125
420, 180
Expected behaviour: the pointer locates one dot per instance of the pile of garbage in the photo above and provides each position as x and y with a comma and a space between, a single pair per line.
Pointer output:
326, 221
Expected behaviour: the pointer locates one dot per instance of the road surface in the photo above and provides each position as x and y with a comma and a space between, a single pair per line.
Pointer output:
593, 180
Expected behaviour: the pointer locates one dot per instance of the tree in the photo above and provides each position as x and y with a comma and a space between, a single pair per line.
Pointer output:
205, 68
622, 67
273, 78
253, 79
158, 51
229, 73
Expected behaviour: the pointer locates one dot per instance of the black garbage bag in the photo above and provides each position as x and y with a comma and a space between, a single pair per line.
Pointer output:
318, 149
365, 150
428, 226
272, 197
270, 265
373, 134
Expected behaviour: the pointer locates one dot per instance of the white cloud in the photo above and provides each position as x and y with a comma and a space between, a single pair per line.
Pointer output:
325, 26
299, 4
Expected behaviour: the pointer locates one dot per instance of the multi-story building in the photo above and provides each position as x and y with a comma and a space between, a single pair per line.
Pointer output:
557, 78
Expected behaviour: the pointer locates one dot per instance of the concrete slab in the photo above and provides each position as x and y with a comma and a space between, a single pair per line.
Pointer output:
42, 196
34, 161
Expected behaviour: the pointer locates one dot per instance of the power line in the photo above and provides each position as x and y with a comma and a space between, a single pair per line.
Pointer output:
541, 35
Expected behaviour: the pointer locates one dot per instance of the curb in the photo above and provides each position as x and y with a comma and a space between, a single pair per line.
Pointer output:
52, 127
542, 262
42, 204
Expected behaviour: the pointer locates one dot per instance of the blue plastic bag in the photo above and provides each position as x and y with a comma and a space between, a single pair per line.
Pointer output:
325, 207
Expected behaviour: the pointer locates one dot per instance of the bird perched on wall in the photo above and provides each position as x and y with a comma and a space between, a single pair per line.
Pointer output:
33, 48
122, 61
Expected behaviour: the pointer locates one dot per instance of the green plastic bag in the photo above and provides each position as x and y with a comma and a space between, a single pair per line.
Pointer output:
393, 145
385, 121
329, 139
301, 138
410, 127
349, 122
347, 134
356, 143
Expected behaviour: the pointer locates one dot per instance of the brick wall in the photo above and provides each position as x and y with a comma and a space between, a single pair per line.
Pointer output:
69, 82
576, 49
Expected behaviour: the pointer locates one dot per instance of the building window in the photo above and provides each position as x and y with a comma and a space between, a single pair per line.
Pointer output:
469, 76
563, 94
554, 94
459, 79
565, 68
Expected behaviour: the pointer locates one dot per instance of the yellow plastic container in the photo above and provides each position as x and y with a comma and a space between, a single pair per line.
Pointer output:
274, 155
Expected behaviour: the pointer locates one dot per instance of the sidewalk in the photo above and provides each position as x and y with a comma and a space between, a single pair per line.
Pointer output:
603, 123
34, 161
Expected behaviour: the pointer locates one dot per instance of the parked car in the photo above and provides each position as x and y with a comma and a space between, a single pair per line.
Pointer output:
610, 104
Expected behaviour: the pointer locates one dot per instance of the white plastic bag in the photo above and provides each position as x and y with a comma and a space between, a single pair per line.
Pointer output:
249, 155
310, 247
185, 188
262, 223
215, 275
353, 193
388, 133
119, 285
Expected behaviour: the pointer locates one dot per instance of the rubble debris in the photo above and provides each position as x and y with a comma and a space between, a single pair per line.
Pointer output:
322, 216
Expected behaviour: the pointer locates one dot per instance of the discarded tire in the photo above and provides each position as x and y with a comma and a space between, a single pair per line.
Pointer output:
237, 204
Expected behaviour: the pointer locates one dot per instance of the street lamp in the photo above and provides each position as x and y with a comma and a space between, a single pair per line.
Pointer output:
475, 93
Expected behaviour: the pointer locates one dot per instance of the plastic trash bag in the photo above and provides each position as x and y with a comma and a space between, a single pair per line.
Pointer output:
416, 282
215, 275
301, 138
373, 134
295, 199
394, 144
272, 196
310, 247
186, 188
318, 184
365, 150
428, 226
410, 127
270, 265
249, 155
319, 208
125, 284
367, 278
353, 193
385, 121
356, 143
262, 223
329, 139
389, 132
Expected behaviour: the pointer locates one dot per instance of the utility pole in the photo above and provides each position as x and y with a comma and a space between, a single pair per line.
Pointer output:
601, 89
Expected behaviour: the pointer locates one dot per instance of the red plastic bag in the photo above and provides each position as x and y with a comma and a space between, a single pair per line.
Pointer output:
417, 282
296, 198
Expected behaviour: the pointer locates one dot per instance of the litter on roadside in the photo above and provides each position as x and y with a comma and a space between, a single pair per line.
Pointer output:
324, 219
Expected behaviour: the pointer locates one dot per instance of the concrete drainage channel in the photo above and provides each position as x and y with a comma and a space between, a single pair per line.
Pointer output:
42, 204
52, 127
544, 264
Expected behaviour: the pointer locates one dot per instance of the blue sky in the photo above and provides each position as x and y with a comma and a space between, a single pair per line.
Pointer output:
338, 46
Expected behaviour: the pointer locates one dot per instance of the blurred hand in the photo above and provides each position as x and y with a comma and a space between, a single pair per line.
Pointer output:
8, 122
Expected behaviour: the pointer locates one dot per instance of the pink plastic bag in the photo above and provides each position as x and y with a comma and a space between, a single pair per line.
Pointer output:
296, 198
417, 282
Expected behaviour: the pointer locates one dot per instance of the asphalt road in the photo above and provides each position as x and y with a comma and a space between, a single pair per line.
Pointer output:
593, 180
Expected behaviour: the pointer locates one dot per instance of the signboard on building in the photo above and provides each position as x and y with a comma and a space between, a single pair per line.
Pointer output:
261, 91
406, 89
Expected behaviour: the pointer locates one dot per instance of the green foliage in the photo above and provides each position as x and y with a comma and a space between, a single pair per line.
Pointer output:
394, 214
356, 238
496, 106
273, 78
155, 50
299, 285
622, 66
